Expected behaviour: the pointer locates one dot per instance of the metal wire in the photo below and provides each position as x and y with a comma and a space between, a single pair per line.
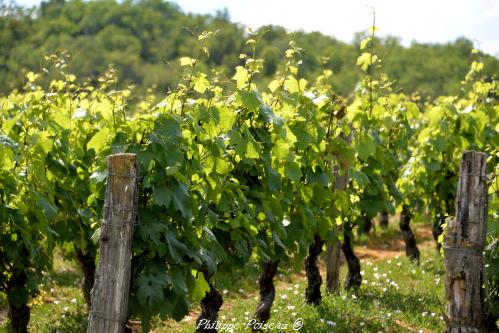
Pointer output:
124, 175
120, 210
106, 316
118, 225
468, 250
483, 176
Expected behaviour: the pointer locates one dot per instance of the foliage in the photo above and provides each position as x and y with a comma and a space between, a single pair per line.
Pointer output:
448, 127
381, 120
491, 251
229, 173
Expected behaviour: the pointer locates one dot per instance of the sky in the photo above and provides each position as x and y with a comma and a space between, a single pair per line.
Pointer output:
425, 21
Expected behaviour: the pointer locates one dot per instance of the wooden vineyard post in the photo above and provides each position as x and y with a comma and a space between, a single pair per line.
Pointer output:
334, 250
112, 282
333, 267
463, 246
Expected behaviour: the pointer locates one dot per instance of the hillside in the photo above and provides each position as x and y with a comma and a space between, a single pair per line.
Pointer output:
144, 39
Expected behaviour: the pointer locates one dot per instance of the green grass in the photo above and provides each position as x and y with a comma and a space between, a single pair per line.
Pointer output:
59, 307
396, 296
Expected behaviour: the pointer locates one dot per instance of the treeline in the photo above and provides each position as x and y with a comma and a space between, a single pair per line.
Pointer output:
143, 40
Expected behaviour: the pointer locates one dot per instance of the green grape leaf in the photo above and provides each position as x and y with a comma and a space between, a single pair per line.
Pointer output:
181, 199
250, 100
186, 61
274, 85
291, 84
227, 117
99, 140
201, 287
252, 150
201, 84
366, 147
176, 248
221, 166
49, 210
152, 232
293, 171
45, 142
180, 309
178, 281
149, 288
365, 60
168, 128
364, 43
440, 143
274, 181
162, 195
241, 76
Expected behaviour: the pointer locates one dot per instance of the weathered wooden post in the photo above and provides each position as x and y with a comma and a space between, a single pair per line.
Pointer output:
112, 282
333, 267
334, 250
463, 245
